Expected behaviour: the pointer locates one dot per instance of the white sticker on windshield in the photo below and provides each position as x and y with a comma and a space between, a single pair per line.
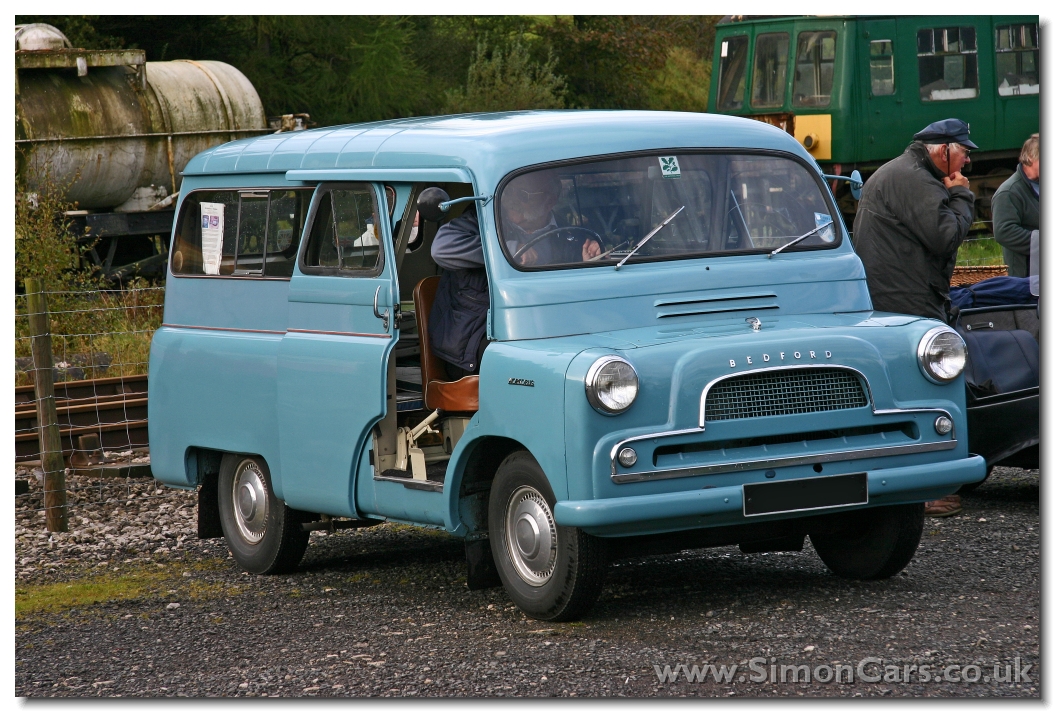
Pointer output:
669, 166
211, 236
724, 49
824, 219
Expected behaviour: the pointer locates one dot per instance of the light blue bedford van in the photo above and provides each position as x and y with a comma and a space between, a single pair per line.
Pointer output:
680, 351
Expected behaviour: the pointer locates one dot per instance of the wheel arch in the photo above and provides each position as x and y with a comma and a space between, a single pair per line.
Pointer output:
473, 473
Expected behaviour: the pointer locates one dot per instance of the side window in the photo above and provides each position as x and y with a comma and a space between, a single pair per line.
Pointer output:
1017, 59
770, 70
947, 63
345, 238
239, 233
731, 81
252, 231
814, 68
882, 68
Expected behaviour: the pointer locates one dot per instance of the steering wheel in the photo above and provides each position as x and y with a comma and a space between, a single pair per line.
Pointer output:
555, 231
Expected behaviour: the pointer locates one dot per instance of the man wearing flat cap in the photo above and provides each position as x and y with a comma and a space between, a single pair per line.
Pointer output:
914, 213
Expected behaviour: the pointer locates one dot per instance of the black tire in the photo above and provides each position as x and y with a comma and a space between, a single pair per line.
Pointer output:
871, 543
561, 585
263, 540
971, 486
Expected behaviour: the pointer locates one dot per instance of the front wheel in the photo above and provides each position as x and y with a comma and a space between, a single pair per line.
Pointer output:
871, 543
551, 573
263, 534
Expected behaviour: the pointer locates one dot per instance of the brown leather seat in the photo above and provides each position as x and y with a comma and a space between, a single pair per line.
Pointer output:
451, 396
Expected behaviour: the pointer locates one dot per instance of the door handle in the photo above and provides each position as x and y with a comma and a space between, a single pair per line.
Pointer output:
377, 312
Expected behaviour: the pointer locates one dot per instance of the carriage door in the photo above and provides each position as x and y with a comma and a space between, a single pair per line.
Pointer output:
333, 359
882, 88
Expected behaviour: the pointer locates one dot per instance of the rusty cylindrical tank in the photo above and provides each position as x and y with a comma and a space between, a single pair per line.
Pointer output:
114, 130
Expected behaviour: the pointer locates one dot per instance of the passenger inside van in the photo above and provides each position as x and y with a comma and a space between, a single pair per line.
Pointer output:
458, 321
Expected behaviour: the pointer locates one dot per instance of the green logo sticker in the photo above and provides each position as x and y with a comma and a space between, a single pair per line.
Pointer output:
669, 167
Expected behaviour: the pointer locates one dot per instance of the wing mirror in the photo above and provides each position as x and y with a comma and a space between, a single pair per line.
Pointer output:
856, 183
430, 204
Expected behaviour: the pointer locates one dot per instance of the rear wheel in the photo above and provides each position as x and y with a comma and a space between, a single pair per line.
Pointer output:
263, 534
550, 572
871, 543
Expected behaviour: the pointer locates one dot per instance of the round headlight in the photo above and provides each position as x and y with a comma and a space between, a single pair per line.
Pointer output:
942, 354
611, 385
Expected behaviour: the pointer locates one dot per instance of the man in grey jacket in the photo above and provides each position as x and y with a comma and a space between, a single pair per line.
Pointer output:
914, 213
1015, 210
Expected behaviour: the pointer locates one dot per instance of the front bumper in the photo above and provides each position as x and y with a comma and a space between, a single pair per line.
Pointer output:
722, 506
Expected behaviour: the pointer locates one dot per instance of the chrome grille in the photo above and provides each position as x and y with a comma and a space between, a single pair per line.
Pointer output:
789, 392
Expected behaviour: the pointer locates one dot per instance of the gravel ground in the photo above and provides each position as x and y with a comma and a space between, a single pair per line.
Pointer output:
385, 612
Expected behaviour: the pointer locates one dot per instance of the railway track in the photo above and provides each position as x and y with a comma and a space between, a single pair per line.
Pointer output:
113, 409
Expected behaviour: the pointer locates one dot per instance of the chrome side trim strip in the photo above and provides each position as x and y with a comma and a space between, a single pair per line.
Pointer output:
767, 463
223, 328
338, 333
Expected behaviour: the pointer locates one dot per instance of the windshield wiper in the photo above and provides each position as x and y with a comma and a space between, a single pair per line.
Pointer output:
799, 238
650, 235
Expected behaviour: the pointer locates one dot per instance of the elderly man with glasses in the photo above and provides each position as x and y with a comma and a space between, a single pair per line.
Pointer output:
914, 213
458, 321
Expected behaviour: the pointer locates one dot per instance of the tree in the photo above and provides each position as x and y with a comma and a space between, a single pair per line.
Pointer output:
682, 85
507, 81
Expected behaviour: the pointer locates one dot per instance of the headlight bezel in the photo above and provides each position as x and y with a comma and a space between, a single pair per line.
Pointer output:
924, 362
592, 394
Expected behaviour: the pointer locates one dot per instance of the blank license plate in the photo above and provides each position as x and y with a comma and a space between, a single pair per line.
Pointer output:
804, 494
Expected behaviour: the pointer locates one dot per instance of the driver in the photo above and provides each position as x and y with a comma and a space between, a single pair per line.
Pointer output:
458, 321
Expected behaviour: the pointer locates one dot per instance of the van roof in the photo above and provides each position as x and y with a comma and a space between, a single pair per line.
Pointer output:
490, 145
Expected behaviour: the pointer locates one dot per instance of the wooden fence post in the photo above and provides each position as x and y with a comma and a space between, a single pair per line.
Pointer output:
47, 417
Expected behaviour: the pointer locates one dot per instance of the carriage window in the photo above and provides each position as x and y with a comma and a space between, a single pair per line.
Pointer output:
770, 70
814, 68
345, 237
882, 68
947, 63
732, 73
239, 233
1017, 59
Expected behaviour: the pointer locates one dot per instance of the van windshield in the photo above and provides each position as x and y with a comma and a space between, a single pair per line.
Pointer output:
601, 212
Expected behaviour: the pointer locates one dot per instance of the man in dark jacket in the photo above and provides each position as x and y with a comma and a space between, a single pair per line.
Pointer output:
1015, 210
458, 321
914, 213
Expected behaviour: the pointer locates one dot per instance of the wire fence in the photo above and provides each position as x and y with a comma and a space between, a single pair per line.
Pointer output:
81, 361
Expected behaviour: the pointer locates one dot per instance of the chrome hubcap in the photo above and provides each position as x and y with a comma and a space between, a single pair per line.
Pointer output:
530, 536
250, 502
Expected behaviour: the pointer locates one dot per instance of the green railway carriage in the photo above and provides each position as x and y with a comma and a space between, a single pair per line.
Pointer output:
853, 90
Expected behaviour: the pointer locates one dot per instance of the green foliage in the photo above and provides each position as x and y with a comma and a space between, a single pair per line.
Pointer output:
44, 245
86, 320
683, 84
340, 70
507, 80
344, 69
977, 252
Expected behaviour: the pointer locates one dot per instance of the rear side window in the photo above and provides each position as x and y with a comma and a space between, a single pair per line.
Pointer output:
814, 68
733, 71
947, 63
345, 235
240, 233
1017, 59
